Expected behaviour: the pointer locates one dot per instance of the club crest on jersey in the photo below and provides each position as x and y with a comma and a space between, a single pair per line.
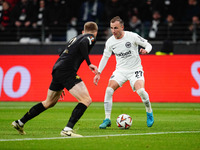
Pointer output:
92, 38
128, 44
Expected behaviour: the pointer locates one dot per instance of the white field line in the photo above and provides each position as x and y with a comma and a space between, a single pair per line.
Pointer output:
96, 136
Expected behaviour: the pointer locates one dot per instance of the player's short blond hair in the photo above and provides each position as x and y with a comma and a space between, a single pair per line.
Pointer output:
90, 27
117, 18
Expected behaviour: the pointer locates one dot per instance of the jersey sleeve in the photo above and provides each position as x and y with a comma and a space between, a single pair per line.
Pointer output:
102, 63
84, 46
107, 51
142, 42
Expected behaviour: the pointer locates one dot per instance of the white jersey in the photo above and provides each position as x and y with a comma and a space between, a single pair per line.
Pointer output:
126, 50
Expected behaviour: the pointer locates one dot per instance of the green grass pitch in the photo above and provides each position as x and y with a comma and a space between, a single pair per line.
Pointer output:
177, 126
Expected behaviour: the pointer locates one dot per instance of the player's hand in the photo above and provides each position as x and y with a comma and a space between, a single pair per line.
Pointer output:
96, 79
93, 68
62, 95
143, 51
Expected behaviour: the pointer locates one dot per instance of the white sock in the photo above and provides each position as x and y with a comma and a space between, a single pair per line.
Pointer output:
145, 99
107, 115
20, 123
148, 108
108, 102
67, 129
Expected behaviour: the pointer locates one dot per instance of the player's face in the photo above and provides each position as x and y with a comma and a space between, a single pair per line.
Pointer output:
117, 29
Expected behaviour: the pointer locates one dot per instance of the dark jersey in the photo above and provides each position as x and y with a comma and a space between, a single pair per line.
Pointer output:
77, 50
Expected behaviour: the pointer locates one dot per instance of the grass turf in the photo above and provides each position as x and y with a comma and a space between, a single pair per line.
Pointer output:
170, 119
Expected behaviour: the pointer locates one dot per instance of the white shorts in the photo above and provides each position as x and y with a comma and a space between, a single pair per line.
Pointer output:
122, 76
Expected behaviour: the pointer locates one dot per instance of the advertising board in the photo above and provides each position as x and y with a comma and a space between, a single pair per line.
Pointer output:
167, 78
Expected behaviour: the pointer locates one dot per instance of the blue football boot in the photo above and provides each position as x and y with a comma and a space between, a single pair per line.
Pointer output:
106, 123
150, 119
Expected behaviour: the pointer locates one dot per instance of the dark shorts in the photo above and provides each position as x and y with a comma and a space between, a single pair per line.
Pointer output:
63, 80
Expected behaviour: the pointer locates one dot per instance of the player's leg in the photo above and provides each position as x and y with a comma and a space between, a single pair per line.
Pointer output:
51, 100
80, 92
139, 87
117, 80
108, 101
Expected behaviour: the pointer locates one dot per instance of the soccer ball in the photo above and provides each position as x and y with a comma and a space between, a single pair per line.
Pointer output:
124, 121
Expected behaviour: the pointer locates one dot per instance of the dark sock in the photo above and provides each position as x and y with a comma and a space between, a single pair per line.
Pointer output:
33, 112
76, 114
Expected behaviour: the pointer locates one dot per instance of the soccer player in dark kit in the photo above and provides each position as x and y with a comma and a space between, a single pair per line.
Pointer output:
64, 75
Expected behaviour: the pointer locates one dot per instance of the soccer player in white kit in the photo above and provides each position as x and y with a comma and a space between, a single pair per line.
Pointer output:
124, 45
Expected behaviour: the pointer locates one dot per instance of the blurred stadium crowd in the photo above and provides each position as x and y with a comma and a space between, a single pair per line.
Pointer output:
59, 20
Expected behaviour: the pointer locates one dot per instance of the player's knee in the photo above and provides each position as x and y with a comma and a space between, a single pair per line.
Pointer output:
48, 104
87, 101
143, 94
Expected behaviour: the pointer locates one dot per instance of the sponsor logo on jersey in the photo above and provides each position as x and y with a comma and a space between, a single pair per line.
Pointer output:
124, 55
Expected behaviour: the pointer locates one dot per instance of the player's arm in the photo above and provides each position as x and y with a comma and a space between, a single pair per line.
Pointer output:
93, 68
144, 43
147, 49
84, 51
102, 65
106, 55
